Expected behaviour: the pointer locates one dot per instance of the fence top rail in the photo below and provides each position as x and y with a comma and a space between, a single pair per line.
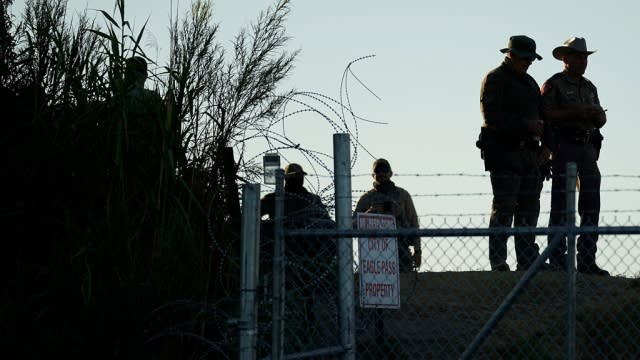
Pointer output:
424, 232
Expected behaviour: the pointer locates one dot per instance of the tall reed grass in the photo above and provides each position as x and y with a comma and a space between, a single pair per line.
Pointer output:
121, 206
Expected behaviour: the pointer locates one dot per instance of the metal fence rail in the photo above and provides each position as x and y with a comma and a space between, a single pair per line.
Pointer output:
532, 293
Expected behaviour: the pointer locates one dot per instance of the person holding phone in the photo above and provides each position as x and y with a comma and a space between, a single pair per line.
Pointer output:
514, 146
572, 106
387, 198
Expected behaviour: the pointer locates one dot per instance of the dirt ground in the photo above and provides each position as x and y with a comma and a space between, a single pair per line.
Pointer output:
442, 313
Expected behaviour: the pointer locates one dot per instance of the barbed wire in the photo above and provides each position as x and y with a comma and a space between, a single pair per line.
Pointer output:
491, 194
341, 117
459, 174
544, 212
478, 194
334, 112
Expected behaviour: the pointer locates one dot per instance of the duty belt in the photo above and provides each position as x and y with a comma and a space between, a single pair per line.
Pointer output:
574, 136
528, 144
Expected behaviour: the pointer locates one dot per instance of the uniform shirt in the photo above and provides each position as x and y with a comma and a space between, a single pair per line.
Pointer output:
299, 204
302, 210
560, 92
509, 99
399, 203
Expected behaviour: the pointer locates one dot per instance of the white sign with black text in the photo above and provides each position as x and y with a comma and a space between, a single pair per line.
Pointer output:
379, 271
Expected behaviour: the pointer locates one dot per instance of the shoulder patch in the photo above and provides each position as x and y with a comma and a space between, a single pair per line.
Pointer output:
546, 87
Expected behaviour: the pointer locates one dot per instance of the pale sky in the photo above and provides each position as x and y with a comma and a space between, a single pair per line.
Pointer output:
430, 58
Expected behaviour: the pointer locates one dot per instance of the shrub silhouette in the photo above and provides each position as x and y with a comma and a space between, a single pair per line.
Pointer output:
120, 205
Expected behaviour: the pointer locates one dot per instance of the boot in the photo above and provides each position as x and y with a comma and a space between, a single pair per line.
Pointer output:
592, 269
587, 262
543, 267
558, 262
500, 267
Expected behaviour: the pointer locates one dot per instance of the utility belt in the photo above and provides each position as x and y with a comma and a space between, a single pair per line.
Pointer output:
574, 136
492, 148
524, 144
490, 140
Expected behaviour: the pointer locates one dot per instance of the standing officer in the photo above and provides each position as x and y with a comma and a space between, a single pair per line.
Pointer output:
387, 198
510, 138
300, 205
572, 106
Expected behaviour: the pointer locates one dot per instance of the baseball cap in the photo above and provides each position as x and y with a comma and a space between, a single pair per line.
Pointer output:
294, 168
381, 163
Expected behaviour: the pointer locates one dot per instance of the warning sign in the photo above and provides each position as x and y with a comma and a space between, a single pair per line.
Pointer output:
379, 272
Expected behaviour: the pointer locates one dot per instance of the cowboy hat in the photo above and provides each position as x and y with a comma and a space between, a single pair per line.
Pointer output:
572, 45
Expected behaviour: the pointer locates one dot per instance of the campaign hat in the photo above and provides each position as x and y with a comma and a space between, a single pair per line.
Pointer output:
522, 46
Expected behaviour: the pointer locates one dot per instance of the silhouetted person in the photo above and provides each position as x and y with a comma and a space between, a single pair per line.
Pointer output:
135, 75
150, 132
510, 103
309, 259
572, 106
299, 204
302, 210
387, 198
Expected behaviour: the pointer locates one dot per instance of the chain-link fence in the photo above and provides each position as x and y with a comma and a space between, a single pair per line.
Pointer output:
463, 312
452, 306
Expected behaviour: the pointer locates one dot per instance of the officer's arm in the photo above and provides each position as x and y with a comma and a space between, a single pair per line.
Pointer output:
585, 118
600, 117
322, 207
267, 204
413, 222
359, 206
575, 117
492, 98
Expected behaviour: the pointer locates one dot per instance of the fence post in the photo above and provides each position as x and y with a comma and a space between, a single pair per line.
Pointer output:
342, 173
250, 235
277, 339
571, 260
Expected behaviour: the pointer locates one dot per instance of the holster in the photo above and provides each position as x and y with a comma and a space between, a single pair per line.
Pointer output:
545, 169
578, 136
488, 148
596, 140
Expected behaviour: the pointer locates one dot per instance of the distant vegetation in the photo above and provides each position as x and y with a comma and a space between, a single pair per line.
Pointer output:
120, 207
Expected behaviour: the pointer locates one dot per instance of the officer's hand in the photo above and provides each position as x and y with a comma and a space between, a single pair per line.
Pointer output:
417, 258
592, 115
599, 118
544, 156
535, 127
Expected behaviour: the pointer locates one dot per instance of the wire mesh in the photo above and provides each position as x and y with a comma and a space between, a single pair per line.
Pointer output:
446, 303
448, 300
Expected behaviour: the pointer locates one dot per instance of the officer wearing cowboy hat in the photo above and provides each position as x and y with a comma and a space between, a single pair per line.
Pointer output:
572, 106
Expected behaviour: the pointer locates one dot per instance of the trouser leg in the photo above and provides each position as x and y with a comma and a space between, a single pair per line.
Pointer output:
504, 185
588, 205
558, 216
404, 256
527, 211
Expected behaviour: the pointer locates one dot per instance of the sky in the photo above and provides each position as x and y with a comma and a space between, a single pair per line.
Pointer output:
430, 58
